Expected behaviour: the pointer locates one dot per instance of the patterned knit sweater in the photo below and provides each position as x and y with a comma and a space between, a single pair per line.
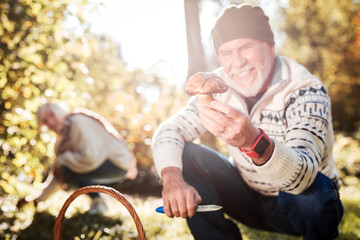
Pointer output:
295, 112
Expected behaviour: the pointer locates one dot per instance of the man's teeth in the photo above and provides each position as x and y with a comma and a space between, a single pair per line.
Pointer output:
242, 73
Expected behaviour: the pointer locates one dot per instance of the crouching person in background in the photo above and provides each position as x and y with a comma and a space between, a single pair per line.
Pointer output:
89, 151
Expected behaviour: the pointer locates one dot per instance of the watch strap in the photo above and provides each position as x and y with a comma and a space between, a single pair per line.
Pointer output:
259, 146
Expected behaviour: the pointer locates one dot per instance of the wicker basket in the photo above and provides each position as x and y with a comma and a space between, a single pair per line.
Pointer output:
101, 189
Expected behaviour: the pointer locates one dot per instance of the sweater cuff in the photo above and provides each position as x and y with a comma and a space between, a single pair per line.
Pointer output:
281, 164
60, 159
167, 157
53, 185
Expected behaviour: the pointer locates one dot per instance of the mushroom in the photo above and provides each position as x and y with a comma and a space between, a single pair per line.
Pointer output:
205, 85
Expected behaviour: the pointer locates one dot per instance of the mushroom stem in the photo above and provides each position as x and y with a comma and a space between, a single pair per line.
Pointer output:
205, 99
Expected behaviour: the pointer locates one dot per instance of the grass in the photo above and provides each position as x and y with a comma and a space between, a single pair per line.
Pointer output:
27, 223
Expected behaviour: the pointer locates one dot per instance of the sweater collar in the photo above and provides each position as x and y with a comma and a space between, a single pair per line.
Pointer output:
277, 72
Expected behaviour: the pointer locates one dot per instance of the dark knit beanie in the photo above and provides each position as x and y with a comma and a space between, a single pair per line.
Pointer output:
243, 21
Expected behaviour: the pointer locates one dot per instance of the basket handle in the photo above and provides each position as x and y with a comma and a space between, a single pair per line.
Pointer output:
103, 189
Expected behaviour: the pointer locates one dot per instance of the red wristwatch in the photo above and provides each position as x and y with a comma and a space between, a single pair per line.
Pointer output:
259, 146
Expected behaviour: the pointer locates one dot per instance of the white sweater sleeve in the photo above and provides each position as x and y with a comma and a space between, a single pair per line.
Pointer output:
88, 147
295, 163
170, 136
51, 186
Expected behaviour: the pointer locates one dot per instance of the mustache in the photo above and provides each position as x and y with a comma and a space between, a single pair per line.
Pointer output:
240, 71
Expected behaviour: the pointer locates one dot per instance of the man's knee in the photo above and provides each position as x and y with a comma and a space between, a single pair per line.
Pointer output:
320, 200
189, 150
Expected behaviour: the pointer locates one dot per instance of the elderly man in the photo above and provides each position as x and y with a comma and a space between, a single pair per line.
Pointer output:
276, 120
89, 151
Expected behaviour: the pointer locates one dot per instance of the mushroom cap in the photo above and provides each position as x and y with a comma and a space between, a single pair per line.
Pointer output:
205, 83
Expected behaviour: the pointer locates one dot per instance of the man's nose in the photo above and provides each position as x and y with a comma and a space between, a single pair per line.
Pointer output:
239, 60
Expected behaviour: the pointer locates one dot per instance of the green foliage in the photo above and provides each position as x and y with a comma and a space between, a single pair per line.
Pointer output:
41, 61
347, 156
135, 102
323, 36
350, 226
34, 62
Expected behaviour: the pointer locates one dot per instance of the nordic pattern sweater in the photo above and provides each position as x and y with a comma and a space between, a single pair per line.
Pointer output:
295, 112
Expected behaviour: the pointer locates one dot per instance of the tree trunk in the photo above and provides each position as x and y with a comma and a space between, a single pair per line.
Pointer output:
196, 56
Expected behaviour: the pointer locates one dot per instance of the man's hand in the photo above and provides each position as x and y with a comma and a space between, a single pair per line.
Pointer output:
131, 173
180, 199
233, 127
229, 124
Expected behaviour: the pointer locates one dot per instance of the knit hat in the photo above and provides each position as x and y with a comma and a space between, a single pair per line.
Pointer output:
242, 21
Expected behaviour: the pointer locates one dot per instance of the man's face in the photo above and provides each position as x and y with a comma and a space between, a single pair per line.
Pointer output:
53, 122
248, 63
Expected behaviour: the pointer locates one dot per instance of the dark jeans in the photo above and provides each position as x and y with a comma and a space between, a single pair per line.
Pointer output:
314, 214
106, 174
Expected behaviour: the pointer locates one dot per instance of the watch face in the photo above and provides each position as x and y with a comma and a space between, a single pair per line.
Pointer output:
261, 146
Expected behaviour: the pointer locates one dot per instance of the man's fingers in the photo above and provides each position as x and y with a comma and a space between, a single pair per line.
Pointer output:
226, 109
209, 122
198, 199
192, 202
182, 208
191, 205
215, 125
167, 209
175, 208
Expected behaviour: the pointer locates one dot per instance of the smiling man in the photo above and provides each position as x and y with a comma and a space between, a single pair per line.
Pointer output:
276, 120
